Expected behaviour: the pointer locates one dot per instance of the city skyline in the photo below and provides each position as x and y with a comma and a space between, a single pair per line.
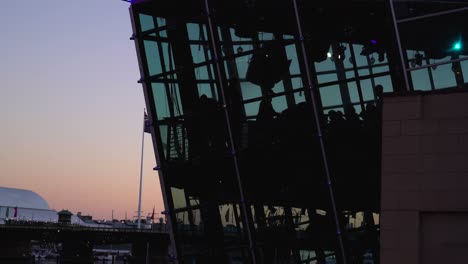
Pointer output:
71, 107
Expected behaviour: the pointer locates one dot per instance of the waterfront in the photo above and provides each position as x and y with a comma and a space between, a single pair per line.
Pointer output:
53, 261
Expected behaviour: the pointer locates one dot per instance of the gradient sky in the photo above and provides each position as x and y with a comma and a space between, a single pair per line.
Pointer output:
71, 109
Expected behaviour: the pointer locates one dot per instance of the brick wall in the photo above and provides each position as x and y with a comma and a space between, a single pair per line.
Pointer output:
424, 174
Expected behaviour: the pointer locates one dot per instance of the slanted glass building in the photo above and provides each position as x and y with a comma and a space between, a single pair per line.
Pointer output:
266, 117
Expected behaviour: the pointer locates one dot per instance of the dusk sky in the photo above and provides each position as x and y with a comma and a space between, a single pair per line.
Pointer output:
71, 109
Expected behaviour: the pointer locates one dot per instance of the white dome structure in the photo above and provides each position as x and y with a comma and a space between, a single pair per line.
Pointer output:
10, 197
26, 205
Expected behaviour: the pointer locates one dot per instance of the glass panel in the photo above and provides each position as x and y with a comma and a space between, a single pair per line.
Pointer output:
299, 97
235, 37
205, 89
360, 60
201, 73
146, 22
367, 91
279, 103
421, 80
358, 108
163, 132
325, 78
219, 33
194, 31
265, 36
167, 52
207, 202
161, 103
251, 109
292, 55
179, 199
363, 72
349, 74
330, 95
198, 53
278, 88
464, 66
242, 62
443, 75
386, 82
297, 83
380, 69
353, 92
161, 22
152, 57
250, 91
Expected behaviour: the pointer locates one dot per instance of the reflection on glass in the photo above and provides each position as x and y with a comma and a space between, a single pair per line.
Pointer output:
277, 153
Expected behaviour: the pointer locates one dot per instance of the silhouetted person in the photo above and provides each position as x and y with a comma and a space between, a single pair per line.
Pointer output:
265, 124
267, 89
337, 122
378, 92
352, 119
235, 108
266, 113
206, 126
369, 114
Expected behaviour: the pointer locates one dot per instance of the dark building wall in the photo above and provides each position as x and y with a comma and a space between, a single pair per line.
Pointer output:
425, 178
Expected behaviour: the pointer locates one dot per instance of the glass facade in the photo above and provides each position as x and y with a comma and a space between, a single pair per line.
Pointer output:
266, 126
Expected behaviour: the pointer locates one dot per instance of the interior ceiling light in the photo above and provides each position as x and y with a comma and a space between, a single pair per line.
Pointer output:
341, 52
457, 46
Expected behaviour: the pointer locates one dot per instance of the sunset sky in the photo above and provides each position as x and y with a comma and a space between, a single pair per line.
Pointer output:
71, 109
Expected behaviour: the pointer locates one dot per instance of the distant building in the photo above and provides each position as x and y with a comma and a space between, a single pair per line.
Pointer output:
85, 218
64, 217
26, 205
